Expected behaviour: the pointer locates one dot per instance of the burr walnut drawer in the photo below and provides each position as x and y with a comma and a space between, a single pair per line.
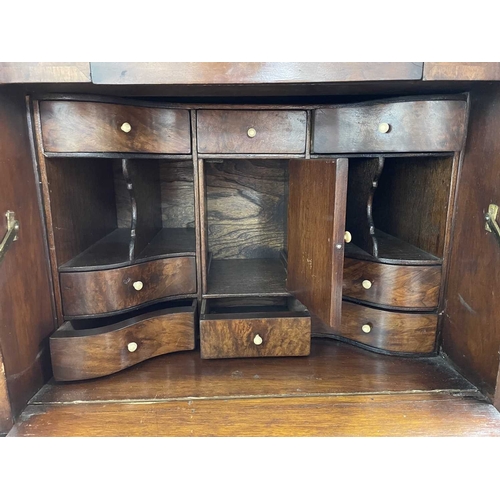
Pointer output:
243, 328
273, 132
84, 349
389, 331
103, 292
91, 127
410, 126
412, 287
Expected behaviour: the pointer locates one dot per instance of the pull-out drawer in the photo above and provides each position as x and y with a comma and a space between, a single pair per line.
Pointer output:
389, 331
103, 292
93, 127
84, 349
243, 328
409, 126
412, 287
273, 132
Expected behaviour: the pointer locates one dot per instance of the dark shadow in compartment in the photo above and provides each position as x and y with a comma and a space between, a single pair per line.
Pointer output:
246, 204
107, 213
245, 308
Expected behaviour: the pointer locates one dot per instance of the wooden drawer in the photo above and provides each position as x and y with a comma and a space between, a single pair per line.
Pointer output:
389, 331
84, 349
412, 287
411, 126
273, 132
246, 328
102, 292
91, 127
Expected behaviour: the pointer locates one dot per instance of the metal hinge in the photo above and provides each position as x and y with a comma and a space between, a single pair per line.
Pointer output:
491, 221
11, 235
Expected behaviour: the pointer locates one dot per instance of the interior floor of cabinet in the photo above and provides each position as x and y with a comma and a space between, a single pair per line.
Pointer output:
338, 390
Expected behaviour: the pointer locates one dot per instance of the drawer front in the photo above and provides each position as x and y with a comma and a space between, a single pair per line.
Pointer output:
102, 292
390, 127
90, 127
413, 287
79, 354
389, 331
273, 132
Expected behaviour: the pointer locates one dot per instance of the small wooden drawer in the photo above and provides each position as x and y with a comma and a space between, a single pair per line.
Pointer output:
84, 349
409, 126
103, 292
412, 287
272, 132
246, 328
389, 331
91, 127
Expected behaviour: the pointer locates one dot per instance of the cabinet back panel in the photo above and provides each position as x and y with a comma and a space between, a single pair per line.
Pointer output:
246, 209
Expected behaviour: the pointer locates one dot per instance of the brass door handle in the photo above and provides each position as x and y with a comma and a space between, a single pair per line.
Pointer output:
491, 221
11, 235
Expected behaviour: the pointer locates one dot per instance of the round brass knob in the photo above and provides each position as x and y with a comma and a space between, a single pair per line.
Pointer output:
366, 328
383, 128
366, 284
257, 340
138, 285
126, 127
251, 132
347, 237
132, 347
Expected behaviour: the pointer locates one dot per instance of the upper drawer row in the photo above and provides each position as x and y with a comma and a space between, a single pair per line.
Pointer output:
413, 126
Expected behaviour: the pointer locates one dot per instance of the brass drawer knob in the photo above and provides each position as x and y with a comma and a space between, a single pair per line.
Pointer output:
257, 340
347, 237
251, 132
138, 285
366, 284
366, 328
132, 346
126, 127
383, 128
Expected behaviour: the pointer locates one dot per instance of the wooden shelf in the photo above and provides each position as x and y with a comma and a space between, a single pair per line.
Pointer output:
246, 278
112, 251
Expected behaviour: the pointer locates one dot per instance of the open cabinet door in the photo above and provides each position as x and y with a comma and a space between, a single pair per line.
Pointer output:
26, 308
316, 226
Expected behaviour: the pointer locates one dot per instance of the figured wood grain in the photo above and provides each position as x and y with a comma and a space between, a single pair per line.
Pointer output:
245, 208
316, 225
71, 126
377, 415
86, 353
396, 286
100, 292
390, 331
470, 328
210, 73
419, 125
26, 294
461, 71
44, 72
227, 131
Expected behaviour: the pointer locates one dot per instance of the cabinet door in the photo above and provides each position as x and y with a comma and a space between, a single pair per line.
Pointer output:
316, 226
26, 312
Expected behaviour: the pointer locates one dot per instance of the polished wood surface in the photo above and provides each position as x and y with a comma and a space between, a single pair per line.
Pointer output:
210, 73
101, 292
316, 218
26, 294
71, 126
389, 331
233, 131
471, 326
413, 287
461, 71
44, 72
418, 125
80, 350
6, 417
235, 333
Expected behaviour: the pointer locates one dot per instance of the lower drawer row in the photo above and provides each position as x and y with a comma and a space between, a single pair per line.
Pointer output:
228, 328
